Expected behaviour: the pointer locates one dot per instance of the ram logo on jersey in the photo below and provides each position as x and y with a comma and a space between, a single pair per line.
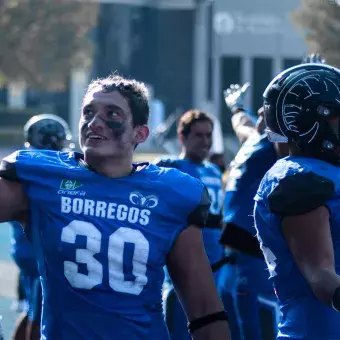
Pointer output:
137, 198
101, 209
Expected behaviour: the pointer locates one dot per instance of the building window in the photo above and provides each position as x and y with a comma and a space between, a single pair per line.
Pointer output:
262, 75
231, 74
290, 62
3, 96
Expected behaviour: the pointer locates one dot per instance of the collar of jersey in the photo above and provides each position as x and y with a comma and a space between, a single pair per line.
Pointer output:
136, 167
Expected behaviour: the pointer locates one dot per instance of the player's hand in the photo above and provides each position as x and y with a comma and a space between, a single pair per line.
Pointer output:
314, 58
234, 96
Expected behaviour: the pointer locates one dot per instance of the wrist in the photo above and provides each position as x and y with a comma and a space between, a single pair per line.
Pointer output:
237, 108
203, 321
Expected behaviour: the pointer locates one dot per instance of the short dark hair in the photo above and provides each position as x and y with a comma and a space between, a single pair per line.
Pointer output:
134, 91
191, 117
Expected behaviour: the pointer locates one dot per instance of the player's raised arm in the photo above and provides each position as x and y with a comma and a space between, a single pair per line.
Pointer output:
242, 123
193, 280
13, 201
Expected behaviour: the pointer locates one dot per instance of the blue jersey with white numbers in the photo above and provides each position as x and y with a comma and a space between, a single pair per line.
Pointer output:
102, 243
303, 315
207, 172
211, 177
22, 251
250, 164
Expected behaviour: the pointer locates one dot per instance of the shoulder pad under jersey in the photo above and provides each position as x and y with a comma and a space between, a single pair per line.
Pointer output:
300, 193
7, 167
28, 165
166, 163
186, 194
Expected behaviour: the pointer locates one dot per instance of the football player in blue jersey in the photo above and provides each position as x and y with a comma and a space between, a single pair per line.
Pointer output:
44, 132
298, 201
103, 228
195, 129
243, 282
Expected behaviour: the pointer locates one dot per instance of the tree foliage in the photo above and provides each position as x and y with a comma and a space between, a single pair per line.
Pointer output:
319, 22
42, 40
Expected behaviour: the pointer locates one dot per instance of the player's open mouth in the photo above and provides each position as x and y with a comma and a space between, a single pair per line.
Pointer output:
92, 136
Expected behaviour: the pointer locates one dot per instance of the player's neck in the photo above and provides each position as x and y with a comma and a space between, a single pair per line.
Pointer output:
111, 167
303, 155
191, 158
297, 152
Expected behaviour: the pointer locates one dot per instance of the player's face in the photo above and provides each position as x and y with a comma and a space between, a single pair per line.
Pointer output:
106, 127
198, 143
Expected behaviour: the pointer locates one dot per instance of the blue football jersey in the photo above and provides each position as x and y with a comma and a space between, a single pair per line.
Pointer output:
102, 242
211, 177
22, 251
207, 172
247, 169
303, 315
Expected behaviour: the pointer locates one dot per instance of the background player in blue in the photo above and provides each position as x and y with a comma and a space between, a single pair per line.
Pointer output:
49, 132
103, 228
242, 282
195, 130
297, 203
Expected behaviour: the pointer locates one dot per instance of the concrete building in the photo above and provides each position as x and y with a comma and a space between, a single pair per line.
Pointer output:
253, 41
190, 50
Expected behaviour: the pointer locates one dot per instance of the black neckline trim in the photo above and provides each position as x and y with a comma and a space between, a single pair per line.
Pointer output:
79, 157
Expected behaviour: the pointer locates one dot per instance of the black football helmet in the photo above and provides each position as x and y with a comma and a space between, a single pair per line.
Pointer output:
48, 131
299, 105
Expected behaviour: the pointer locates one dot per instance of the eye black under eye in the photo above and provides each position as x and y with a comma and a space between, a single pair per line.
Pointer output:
88, 111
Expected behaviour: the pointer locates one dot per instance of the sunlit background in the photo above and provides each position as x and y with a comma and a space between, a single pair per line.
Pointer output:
186, 51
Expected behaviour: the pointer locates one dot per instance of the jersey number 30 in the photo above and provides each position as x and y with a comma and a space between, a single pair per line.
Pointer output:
115, 254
